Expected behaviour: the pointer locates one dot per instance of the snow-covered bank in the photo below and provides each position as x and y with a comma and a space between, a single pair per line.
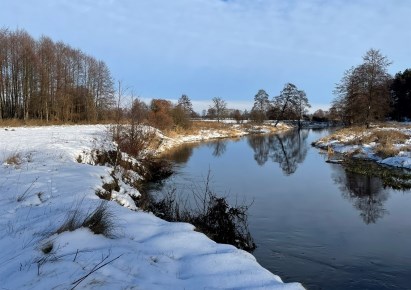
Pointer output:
41, 180
388, 145
232, 131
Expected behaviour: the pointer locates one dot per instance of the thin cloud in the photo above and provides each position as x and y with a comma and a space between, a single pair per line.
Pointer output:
223, 48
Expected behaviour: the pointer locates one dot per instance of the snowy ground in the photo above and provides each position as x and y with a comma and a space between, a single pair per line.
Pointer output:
364, 144
43, 182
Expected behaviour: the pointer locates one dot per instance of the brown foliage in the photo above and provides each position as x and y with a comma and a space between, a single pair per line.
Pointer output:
160, 114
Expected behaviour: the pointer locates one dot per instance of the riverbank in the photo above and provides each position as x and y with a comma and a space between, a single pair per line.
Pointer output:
204, 131
387, 144
55, 233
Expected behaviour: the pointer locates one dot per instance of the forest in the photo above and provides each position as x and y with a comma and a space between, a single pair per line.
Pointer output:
51, 81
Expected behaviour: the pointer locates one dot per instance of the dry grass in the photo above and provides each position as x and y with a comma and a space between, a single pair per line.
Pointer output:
13, 159
362, 135
386, 151
100, 221
196, 127
386, 138
343, 133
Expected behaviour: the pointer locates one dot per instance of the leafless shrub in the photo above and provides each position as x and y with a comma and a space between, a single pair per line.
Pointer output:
134, 139
209, 213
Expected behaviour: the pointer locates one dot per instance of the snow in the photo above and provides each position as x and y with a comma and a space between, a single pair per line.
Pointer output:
339, 142
234, 131
36, 194
397, 161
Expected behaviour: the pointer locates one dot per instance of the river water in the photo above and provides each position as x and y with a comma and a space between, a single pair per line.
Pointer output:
312, 221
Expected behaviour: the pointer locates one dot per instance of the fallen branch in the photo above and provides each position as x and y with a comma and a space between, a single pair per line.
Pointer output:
95, 268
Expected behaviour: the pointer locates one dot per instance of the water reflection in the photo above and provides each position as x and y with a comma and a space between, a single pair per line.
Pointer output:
287, 149
219, 147
182, 154
261, 146
366, 193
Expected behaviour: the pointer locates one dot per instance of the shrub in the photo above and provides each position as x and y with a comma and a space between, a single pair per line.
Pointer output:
210, 214
181, 118
133, 139
160, 114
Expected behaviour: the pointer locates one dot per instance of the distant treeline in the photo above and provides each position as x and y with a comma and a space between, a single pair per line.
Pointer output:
43, 79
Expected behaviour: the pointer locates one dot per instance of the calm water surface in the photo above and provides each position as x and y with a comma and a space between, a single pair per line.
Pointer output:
313, 222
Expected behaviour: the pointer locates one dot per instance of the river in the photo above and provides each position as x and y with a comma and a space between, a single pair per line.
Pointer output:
313, 222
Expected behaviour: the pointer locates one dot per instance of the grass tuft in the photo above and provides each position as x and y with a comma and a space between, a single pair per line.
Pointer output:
13, 159
100, 221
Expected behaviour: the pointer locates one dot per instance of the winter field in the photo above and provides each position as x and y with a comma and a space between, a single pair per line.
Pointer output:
48, 212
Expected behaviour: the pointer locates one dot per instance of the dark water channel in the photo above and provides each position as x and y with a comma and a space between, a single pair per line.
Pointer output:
313, 222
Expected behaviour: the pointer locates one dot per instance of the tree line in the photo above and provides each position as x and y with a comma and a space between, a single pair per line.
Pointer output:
47, 80
290, 104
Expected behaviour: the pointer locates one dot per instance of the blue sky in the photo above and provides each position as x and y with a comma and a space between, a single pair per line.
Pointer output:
229, 49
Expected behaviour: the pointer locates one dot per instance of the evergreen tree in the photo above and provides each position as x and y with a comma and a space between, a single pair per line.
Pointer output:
401, 96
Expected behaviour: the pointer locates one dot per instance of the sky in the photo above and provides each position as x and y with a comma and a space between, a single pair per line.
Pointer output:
216, 48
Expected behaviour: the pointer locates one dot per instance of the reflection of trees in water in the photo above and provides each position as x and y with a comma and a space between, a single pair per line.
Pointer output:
219, 147
261, 147
182, 154
288, 149
366, 193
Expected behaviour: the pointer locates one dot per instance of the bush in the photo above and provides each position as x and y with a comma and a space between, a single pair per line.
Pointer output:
134, 139
211, 215
180, 117
160, 114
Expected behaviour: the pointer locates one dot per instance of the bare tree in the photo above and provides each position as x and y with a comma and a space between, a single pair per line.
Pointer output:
261, 106
185, 104
220, 107
291, 101
363, 92
300, 106
50, 81
182, 112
